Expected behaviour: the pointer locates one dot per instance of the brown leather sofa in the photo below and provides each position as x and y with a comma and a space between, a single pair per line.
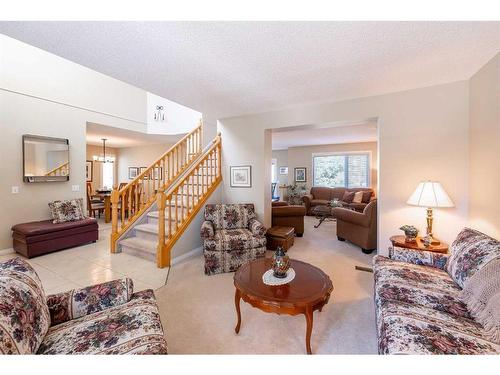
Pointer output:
284, 215
320, 196
360, 228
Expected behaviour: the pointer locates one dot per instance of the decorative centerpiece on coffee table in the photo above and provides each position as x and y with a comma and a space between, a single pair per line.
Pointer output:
335, 203
410, 233
281, 263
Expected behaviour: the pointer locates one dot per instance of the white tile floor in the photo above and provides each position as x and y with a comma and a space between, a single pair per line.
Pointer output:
91, 264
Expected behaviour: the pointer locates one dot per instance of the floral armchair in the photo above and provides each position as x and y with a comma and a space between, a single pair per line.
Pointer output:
106, 318
231, 236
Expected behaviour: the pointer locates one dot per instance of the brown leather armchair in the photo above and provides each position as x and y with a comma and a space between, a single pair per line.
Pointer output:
285, 215
360, 228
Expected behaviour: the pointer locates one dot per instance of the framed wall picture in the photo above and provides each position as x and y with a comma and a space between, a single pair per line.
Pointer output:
241, 176
300, 174
89, 170
133, 172
283, 170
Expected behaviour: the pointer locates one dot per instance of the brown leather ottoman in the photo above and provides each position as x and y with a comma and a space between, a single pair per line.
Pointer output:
280, 236
43, 237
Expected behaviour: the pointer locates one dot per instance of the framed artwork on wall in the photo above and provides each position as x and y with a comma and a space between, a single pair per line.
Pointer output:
133, 172
89, 170
283, 170
300, 174
241, 176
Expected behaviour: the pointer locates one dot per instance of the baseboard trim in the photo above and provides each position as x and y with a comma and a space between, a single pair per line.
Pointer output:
189, 254
7, 251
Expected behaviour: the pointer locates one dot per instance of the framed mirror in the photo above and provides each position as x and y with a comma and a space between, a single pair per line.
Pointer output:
45, 159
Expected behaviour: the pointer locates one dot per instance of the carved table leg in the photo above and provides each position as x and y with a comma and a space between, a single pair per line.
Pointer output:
237, 298
309, 321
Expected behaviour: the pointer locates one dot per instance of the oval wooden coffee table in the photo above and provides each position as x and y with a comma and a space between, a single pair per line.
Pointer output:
309, 291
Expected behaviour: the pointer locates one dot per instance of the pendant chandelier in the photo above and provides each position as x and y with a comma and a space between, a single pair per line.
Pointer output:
104, 158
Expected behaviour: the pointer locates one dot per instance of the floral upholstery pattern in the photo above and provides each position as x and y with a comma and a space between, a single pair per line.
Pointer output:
68, 210
408, 328
399, 281
229, 216
419, 310
389, 270
132, 328
257, 228
229, 261
24, 315
424, 258
231, 236
207, 230
233, 239
80, 302
470, 251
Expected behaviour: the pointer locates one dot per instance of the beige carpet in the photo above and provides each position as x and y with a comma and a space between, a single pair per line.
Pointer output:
198, 312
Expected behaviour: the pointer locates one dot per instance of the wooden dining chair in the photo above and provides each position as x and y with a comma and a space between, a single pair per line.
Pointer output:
93, 205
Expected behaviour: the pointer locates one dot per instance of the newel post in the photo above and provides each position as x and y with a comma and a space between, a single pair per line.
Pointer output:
162, 259
114, 217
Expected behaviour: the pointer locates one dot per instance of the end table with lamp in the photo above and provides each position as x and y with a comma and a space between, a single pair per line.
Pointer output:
429, 194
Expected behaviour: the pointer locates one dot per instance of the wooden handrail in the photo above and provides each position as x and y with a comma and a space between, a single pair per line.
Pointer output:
184, 200
61, 168
138, 195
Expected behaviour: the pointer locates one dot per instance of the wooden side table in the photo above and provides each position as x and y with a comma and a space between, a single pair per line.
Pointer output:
399, 241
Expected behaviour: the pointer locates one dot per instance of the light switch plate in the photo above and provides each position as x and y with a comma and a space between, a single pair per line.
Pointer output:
15, 189
75, 187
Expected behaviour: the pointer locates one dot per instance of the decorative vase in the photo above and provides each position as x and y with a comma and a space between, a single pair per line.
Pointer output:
281, 263
410, 233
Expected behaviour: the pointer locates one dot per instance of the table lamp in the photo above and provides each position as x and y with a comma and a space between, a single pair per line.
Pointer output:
430, 194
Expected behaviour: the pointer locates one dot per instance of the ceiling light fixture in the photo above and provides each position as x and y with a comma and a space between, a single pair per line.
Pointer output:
103, 158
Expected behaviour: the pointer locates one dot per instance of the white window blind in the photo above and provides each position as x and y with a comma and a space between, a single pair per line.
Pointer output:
342, 170
358, 170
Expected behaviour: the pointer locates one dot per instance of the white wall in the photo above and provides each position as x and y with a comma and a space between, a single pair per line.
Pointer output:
484, 149
138, 156
178, 118
29, 70
423, 134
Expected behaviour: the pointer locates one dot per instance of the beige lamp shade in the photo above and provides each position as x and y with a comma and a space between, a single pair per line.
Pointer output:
430, 194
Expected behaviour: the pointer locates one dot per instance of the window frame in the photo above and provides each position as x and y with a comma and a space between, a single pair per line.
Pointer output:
346, 168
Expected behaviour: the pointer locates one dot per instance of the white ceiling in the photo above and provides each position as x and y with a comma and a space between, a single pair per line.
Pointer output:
117, 137
232, 68
310, 136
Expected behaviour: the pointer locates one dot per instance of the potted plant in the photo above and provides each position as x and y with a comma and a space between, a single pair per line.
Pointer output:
410, 232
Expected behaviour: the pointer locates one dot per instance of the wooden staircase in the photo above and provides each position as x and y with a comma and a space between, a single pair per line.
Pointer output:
159, 218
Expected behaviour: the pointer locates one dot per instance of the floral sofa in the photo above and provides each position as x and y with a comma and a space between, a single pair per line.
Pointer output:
422, 305
231, 236
101, 319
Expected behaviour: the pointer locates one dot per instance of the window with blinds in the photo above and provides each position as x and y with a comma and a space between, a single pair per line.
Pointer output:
342, 170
